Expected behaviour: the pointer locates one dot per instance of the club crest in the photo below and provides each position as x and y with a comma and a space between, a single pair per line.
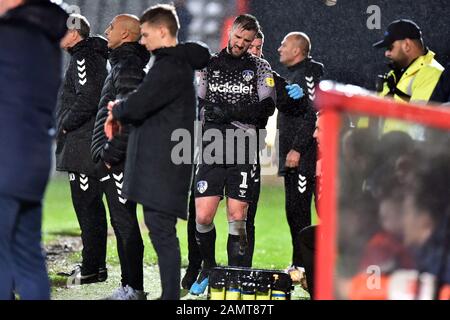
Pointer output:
248, 75
202, 186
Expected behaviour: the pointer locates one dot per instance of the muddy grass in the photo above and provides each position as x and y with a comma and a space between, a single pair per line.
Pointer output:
63, 253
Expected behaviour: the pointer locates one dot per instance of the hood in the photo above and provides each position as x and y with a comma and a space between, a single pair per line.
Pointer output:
129, 50
96, 43
195, 53
46, 16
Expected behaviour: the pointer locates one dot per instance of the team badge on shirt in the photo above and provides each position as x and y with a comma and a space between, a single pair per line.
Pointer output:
248, 75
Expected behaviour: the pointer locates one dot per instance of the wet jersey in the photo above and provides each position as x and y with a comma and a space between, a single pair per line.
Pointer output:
231, 80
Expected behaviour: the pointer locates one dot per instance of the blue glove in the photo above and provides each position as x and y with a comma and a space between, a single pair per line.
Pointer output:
295, 91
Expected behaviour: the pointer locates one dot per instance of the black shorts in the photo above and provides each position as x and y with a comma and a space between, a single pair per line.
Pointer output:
235, 181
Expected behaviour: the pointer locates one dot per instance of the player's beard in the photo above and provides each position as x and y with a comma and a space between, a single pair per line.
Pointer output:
230, 51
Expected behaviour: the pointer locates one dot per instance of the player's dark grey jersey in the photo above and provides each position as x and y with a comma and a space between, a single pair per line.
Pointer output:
230, 80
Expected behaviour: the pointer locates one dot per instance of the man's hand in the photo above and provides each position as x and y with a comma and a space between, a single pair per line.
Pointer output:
295, 91
216, 114
292, 159
112, 126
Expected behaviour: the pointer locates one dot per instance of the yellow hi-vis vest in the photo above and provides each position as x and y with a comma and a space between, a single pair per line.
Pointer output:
418, 82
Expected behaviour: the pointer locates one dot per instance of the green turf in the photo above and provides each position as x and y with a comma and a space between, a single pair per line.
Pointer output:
273, 241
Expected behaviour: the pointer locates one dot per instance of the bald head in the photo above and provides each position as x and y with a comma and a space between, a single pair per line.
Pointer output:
294, 48
123, 28
302, 41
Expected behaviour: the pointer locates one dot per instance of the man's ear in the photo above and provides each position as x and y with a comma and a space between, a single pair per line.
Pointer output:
74, 34
407, 45
125, 34
163, 32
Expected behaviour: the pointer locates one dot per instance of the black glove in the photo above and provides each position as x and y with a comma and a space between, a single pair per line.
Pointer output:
217, 113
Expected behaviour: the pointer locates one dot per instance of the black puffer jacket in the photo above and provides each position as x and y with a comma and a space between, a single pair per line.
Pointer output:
78, 104
163, 104
127, 71
296, 130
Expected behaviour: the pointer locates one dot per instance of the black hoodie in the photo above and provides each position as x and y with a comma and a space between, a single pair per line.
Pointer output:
163, 106
78, 104
127, 71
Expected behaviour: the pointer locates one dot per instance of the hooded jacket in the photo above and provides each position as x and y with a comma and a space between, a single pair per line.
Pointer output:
127, 71
30, 75
78, 104
163, 105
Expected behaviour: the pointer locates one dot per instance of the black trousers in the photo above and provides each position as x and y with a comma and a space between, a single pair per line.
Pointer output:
22, 263
194, 254
124, 221
299, 189
307, 239
87, 201
163, 234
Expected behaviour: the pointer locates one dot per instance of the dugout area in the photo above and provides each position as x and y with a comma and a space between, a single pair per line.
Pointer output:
384, 206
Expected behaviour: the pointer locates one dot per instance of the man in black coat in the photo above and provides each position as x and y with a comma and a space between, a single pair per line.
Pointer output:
164, 103
30, 72
77, 108
128, 60
297, 149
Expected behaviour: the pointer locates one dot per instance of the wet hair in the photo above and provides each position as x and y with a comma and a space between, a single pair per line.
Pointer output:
82, 25
162, 14
247, 22
260, 35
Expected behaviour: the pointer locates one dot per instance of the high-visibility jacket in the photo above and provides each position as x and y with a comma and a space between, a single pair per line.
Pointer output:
417, 83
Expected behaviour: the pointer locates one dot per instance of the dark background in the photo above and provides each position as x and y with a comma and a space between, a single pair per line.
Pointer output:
339, 35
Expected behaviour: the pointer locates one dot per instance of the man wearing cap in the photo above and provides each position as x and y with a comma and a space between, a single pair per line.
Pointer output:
414, 73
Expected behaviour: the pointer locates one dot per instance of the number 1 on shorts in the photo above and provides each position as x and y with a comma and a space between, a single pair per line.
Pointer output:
244, 180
